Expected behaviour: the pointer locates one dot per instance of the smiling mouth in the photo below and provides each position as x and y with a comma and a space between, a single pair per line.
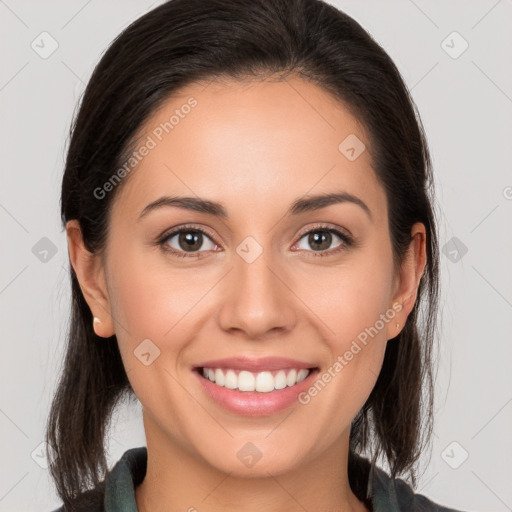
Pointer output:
261, 382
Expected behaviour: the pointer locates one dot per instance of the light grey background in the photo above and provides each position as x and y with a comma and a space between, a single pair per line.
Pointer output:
466, 107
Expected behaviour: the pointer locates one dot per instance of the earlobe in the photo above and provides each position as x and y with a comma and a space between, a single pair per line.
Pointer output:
89, 271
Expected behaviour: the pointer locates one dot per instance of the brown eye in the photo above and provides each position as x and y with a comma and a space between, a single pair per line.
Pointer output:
320, 240
187, 240
190, 240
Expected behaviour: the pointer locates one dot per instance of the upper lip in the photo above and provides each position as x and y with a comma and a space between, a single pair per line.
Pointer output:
255, 365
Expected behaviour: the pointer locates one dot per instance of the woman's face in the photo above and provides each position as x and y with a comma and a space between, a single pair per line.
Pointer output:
266, 280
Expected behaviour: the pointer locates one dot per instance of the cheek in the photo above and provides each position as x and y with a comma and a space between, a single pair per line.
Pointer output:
152, 299
354, 304
352, 297
149, 307
149, 297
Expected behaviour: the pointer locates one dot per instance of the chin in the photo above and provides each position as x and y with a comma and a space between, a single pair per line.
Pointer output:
250, 459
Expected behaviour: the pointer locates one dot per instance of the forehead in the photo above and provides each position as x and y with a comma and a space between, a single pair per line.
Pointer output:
251, 144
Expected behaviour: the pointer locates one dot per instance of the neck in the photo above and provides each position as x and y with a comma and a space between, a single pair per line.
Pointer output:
180, 480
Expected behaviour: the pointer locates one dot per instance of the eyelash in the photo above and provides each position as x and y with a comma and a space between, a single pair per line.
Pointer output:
348, 241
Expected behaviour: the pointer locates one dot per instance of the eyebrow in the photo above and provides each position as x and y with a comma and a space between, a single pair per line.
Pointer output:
306, 204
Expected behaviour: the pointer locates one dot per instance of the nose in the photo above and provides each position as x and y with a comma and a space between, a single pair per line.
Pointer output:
256, 299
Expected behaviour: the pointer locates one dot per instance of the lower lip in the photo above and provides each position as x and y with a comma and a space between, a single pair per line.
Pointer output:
253, 403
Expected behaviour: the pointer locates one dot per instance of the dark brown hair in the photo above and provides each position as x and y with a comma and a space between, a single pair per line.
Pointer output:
184, 41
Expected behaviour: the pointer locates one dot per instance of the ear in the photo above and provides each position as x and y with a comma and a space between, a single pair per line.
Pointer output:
89, 270
408, 280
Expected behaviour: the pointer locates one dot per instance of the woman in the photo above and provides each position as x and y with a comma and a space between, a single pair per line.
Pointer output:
251, 236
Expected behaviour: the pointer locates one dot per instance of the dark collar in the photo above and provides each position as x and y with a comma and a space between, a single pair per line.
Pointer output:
370, 484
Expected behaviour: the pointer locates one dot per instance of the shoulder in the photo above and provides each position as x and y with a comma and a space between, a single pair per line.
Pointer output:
393, 494
381, 493
116, 491
89, 501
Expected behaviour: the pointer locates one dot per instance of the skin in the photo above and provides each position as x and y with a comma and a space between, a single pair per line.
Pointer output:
255, 147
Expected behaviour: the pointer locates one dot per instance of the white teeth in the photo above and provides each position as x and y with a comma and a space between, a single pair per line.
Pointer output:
219, 377
302, 374
280, 380
263, 382
291, 378
246, 381
231, 380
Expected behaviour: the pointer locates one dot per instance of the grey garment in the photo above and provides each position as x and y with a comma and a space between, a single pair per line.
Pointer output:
394, 495
117, 493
